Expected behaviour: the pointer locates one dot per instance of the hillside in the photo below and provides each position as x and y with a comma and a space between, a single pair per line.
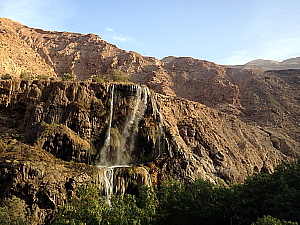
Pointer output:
261, 64
232, 90
177, 117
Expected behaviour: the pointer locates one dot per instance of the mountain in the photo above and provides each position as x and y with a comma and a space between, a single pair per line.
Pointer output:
231, 90
262, 64
177, 117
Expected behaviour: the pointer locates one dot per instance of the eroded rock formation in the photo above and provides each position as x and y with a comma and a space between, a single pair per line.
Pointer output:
139, 136
265, 98
208, 121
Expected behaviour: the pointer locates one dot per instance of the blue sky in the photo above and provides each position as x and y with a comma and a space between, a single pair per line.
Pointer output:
221, 31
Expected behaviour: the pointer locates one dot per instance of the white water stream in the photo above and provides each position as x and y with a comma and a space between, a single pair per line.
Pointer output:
114, 155
106, 145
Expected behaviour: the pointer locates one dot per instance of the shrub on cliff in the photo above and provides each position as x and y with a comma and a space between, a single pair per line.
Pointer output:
6, 76
42, 77
114, 76
69, 77
25, 75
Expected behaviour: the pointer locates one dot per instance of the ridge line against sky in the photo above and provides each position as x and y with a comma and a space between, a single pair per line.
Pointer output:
225, 32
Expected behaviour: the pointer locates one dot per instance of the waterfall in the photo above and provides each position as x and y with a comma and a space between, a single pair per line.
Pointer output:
127, 107
159, 119
109, 180
130, 129
105, 180
106, 145
119, 154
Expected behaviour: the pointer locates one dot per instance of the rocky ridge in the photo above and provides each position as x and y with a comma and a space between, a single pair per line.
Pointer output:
261, 64
243, 92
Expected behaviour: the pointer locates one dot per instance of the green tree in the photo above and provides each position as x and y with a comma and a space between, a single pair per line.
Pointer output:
269, 220
90, 208
190, 203
14, 212
274, 194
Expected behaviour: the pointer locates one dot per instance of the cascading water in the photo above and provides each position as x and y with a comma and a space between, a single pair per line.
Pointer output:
127, 105
130, 129
119, 138
159, 119
106, 145
105, 180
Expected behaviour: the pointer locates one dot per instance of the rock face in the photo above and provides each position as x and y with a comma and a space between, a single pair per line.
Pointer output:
211, 121
120, 136
265, 98
16, 56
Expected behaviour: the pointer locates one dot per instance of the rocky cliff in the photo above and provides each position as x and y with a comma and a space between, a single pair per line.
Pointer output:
208, 120
264, 98
56, 135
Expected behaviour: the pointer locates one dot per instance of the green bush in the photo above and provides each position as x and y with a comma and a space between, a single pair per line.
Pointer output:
14, 211
99, 79
69, 77
274, 194
269, 220
42, 77
89, 208
6, 76
190, 203
114, 76
26, 75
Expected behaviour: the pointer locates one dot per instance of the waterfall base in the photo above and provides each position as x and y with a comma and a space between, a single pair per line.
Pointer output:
121, 179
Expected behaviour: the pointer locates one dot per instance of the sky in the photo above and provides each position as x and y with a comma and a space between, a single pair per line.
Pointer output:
230, 32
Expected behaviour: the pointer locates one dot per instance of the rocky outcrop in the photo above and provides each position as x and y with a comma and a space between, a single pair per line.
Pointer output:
115, 124
120, 136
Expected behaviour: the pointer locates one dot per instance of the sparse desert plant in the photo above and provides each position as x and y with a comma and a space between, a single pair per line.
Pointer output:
69, 77
114, 76
6, 76
26, 75
42, 77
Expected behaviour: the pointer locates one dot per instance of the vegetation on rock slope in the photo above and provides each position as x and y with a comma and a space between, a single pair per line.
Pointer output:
276, 195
